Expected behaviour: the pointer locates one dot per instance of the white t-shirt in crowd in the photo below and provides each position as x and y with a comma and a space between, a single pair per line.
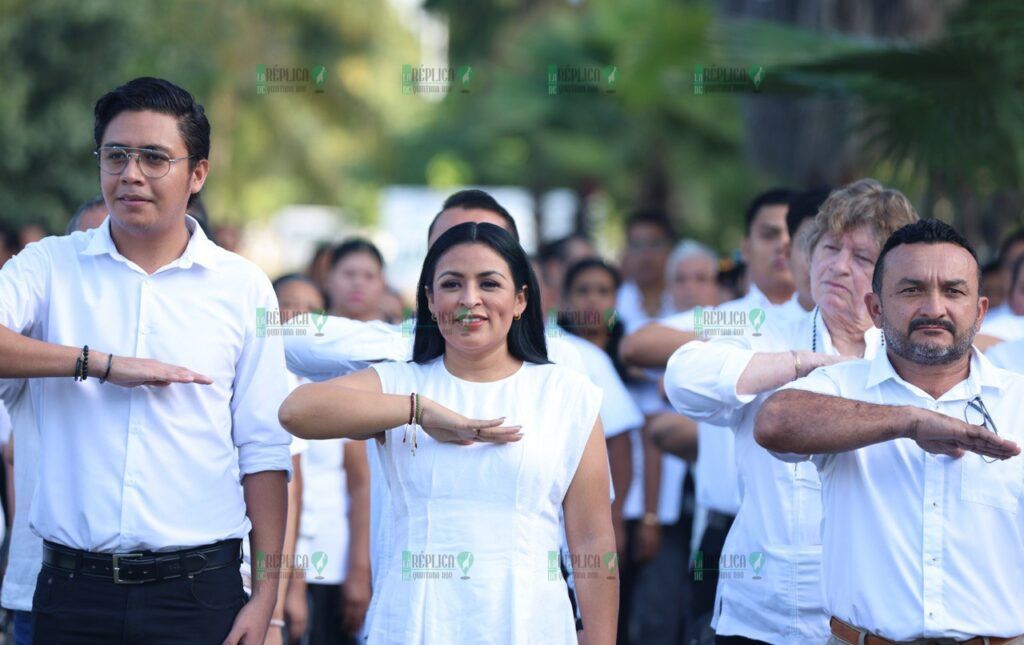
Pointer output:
1001, 322
1008, 355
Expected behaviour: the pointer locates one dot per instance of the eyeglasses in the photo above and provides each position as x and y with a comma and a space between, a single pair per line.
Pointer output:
977, 414
154, 164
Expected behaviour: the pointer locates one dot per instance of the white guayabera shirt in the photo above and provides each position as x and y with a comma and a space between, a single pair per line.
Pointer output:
918, 545
778, 523
125, 469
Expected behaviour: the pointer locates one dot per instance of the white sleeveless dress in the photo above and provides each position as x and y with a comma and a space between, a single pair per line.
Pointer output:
475, 529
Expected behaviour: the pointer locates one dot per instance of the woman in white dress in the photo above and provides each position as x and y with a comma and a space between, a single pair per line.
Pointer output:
501, 440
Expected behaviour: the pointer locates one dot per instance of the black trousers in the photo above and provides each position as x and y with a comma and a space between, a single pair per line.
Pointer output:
325, 616
70, 608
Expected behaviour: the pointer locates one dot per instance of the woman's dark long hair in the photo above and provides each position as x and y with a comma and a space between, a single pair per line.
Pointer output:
525, 337
617, 329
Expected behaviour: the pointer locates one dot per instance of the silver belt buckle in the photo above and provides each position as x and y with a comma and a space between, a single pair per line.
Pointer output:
117, 569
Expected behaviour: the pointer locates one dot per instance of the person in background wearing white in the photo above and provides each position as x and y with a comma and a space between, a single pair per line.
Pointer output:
149, 468
726, 380
1008, 324
691, 274
717, 488
479, 348
335, 504
919, 459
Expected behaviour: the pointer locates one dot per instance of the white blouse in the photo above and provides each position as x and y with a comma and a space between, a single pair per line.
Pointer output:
473, 528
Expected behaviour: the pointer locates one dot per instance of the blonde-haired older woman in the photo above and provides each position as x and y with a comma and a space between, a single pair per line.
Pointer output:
770, 586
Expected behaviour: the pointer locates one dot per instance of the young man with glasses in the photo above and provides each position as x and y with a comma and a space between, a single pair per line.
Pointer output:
146, 490
918, 451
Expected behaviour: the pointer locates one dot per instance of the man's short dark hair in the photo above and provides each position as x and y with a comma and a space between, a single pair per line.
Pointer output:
478, 199
559, 249
1017, 237
773, 197
652, 217
158, 95
924, 231
87, 205
803, 206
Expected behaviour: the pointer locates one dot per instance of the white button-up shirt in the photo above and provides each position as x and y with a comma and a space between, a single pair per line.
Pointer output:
776, 595
123, 469
919, 545
716, 483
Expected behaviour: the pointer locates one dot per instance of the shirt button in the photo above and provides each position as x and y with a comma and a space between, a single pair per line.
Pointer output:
129, 482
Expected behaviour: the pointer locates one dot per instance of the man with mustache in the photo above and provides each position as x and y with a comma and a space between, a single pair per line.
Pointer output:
918, 454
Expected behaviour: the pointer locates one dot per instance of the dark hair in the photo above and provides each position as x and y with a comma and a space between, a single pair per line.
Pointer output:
617, 330
1016, 237
356, 245
559, 249
526, 336
478, 199
924, 231
87, 205
298, 277
653, 217
803, 206
158, 95
1015, 275
589, 263
773, 197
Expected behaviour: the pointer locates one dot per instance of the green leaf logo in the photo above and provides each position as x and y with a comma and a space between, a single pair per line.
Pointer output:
611, 76
319, 319
611, 562
757, 317
465, 561
319, 74
319, 560
756, 74
465, 75
757, 563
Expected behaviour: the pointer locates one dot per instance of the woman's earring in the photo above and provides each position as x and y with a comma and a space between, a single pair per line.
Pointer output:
518, 316
433, 316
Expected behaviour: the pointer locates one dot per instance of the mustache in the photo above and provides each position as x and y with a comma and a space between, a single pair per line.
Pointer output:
917, 323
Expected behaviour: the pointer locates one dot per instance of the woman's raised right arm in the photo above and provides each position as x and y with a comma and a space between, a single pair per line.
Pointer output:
351, 406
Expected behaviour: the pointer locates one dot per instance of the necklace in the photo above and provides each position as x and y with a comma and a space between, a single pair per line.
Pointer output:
814, 332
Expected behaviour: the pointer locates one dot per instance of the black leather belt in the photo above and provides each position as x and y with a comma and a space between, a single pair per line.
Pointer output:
143, 566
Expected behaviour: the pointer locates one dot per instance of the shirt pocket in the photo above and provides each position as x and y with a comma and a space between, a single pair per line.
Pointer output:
999, 484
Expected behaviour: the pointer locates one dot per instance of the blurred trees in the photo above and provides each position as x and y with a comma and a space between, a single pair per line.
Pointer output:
923, 95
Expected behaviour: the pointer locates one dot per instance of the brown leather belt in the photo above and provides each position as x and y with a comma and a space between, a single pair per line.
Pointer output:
851, 634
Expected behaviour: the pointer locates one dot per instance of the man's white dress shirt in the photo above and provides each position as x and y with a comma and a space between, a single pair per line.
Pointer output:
125, 469
918, 545
770, 583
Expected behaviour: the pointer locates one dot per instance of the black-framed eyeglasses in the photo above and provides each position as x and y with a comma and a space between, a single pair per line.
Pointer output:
976, 414
154, 164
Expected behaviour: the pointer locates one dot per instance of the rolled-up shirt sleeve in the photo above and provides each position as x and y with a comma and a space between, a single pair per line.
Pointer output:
820, 381
259, 389
701, 376
344, 345
24, 285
